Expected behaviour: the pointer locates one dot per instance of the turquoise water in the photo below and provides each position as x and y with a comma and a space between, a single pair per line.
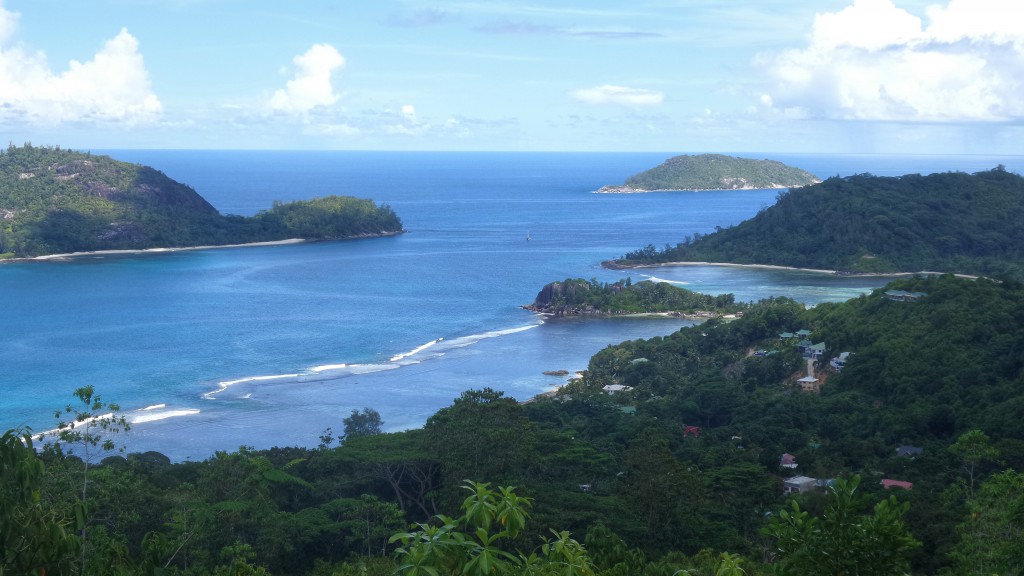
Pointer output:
267, 346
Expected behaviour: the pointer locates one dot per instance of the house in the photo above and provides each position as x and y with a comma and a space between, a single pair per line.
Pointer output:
691, 431
788, 461
786, 335
799, 484
815, 350
909, 451
889, 483
809, 384
586, 487
903, 296
839, 362
802, 334
825, 483
615, 388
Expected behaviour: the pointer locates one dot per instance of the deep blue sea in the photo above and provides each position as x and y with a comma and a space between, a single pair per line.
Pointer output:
262, 346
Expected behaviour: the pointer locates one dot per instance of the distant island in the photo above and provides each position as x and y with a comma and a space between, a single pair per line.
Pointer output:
714, 172
55, 201
949, 222
579, 297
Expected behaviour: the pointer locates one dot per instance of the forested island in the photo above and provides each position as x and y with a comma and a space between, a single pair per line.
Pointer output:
713, 172
576, 297
707, 451
55, 201
948, 222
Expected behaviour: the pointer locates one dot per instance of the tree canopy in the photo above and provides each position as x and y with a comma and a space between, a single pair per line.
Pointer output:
60, 201
949, 222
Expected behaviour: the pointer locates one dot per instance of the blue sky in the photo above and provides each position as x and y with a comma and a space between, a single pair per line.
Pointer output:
847, 76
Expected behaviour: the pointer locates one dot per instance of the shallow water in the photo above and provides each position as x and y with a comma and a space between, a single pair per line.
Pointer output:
167, 331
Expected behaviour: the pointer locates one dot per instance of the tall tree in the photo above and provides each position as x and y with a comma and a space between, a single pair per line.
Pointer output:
366, 422
86, 430
973, 449
992, 535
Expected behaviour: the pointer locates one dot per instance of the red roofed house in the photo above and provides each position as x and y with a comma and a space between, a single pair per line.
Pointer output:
788, 461
888, 483
691, 431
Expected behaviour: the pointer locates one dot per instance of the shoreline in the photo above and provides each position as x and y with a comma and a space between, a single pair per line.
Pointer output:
130, 251
612, 265
164, 250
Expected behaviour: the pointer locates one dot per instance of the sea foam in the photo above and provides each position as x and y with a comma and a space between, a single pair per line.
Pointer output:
155, 416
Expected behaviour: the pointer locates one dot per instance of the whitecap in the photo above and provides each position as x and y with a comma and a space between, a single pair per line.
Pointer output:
142, 419
228, 383
414, 351
473, 339
326, 367
656, 279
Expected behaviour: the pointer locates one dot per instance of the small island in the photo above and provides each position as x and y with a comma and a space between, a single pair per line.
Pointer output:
579, 297
713, 172
55, 201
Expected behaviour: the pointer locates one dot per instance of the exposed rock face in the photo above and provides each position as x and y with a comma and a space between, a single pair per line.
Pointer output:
562, 298
122, 232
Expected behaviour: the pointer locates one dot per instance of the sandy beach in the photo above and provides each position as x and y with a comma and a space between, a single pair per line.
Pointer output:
794, 269
149, 250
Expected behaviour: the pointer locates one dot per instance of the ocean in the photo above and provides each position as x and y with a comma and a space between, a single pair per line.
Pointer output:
268, 346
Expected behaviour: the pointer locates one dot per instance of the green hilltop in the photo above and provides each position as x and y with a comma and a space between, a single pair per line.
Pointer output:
948, 222
714, 172
576, 296
60, 201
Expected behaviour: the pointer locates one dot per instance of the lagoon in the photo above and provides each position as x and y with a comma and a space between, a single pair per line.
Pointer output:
210, 350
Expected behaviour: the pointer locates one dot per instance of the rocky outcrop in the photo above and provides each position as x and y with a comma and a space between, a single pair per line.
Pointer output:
566, 299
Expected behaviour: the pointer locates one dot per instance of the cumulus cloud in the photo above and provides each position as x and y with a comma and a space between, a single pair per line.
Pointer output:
311, 85
112, 87
875, 61
620, 95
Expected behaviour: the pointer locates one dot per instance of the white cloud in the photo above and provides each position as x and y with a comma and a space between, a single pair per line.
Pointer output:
311, 86
8, 22
621, 95
112, 87
875, 61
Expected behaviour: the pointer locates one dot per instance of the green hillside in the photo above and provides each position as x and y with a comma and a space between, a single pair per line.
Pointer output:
715, 172
59, 201
676, 468
950, 222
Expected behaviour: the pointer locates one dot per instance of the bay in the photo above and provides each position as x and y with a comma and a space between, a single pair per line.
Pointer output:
262, 346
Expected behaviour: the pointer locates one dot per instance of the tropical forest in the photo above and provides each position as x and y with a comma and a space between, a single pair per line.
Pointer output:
876, 436
948, 222
58, 201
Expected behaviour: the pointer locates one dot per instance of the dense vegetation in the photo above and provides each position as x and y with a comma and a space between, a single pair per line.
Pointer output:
578, 296
59, 201
715, 172
682, 472
950, 222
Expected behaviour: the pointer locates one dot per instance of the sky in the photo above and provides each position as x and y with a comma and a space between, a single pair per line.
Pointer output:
783, 76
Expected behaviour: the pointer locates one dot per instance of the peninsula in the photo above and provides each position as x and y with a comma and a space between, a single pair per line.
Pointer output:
714, 172
950, 222
55, 201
